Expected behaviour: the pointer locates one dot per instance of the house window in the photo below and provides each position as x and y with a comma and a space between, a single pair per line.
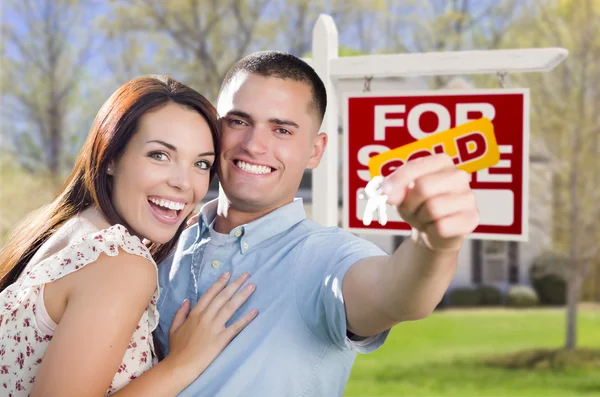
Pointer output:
494, 260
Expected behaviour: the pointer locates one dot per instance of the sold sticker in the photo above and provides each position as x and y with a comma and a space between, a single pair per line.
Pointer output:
472, 146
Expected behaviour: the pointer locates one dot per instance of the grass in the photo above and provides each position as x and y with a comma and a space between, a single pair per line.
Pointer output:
472, 352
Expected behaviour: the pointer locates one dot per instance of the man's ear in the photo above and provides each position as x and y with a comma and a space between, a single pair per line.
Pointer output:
318, 148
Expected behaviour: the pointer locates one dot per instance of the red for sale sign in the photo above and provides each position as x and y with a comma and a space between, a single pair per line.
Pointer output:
377, 123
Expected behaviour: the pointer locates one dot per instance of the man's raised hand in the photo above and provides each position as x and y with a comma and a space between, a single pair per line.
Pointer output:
434, 197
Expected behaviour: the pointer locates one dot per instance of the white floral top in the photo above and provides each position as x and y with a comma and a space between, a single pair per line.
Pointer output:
23, 343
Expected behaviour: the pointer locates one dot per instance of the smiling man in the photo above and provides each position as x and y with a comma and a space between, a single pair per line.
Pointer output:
323, 294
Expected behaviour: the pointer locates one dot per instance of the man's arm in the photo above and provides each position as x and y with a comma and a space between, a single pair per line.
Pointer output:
434, 197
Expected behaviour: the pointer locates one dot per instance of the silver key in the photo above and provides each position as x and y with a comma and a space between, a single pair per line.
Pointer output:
376, 201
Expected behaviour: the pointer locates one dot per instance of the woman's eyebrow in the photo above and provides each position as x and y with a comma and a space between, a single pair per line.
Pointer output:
167, 145
173, 148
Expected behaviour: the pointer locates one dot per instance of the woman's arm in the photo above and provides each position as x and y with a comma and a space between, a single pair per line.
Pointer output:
105, 301
196, 340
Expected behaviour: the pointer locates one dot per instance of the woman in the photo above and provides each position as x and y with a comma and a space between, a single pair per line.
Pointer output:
79, 289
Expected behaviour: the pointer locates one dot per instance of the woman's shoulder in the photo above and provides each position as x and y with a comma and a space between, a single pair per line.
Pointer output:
119, 262
120, 252
110, 246
99, 261
106, 262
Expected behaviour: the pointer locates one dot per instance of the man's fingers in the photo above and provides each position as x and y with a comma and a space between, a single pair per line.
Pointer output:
180, 316
235, 328
445, 181
455, 225
234, 304
192, 221
395, 185
445, 205
225, 295
210, 294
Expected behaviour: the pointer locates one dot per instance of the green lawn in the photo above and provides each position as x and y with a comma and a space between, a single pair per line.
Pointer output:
441, 356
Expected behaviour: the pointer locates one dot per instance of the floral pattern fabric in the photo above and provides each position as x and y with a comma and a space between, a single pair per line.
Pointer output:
23, 344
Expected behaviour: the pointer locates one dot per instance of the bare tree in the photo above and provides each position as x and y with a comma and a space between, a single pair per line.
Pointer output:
437, 26
43, 57
196, 41
565, 108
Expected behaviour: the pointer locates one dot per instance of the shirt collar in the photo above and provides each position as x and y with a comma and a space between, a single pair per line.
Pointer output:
259, 230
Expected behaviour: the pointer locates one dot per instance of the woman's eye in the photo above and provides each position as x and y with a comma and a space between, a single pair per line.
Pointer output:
203, 164
158, 155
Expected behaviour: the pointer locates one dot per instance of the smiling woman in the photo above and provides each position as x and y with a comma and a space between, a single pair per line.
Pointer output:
75, 276
164, 171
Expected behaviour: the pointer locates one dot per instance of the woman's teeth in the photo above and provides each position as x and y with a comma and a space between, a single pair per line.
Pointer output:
253, 169
172, 205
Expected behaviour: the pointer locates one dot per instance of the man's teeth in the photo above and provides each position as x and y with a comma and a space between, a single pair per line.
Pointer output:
253, 169
172, 205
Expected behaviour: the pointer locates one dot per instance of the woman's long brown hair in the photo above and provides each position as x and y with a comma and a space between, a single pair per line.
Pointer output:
88, 184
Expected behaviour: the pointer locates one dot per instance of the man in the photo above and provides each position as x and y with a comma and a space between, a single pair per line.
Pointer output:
323, 295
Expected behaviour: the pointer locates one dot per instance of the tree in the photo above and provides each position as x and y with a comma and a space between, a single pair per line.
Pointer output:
294, 20
199, 40
565, 115
196, 41
42, 61
440, 26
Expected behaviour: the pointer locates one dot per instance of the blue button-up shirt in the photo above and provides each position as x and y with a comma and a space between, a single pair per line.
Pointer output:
298, 343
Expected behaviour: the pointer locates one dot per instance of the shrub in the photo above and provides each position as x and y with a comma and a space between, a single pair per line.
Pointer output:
490, 295
548, 278
522, 296
464, 296
551, 289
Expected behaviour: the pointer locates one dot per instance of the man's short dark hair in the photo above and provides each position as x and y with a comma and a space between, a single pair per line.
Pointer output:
284, 66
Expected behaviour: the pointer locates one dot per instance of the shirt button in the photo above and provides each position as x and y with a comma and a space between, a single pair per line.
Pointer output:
245, 246
215, 264
237, 233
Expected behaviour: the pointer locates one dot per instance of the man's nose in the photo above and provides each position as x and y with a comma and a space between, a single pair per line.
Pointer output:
256, 140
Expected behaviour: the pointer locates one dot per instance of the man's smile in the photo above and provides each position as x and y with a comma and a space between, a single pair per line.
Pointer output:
258, 169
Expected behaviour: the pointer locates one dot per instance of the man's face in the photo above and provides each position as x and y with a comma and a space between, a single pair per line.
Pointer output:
269, 138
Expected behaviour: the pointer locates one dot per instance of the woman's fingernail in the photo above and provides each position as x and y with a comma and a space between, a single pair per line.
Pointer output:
246, 275
225, 275
250, 287
183, 303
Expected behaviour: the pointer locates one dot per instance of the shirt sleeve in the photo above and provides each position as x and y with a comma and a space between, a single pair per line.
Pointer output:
321, 264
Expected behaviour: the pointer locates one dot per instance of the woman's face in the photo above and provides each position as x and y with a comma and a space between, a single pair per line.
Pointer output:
164, 171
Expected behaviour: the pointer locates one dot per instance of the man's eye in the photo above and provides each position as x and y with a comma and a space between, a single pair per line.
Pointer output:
236, 122
284, 131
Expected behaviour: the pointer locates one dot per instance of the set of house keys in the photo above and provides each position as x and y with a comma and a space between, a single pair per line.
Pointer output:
376, 201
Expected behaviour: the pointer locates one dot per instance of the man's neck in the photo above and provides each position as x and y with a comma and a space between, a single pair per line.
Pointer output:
229, 217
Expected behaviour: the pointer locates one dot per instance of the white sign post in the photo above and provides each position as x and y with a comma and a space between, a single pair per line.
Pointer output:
331, 67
